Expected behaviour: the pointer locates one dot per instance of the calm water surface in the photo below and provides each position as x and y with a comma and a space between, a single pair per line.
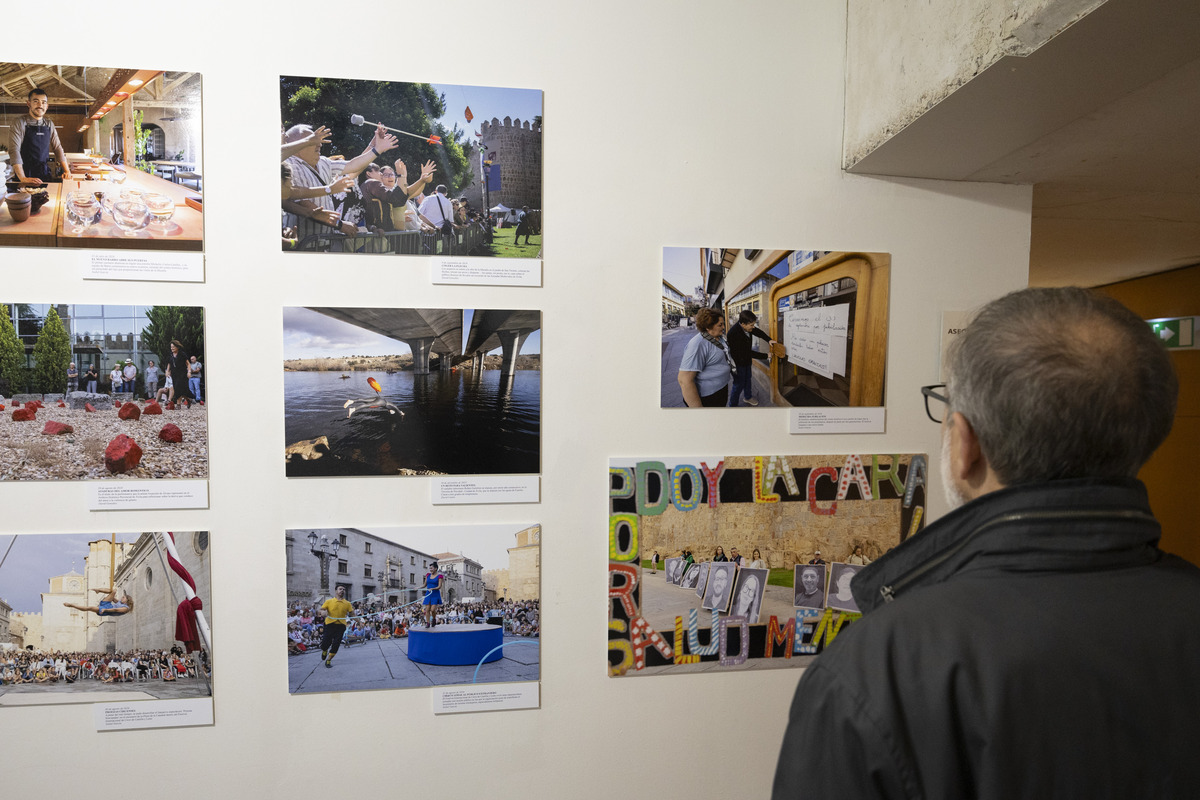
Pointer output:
456, 423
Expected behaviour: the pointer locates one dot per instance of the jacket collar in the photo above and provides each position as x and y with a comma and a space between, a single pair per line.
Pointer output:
1066, 525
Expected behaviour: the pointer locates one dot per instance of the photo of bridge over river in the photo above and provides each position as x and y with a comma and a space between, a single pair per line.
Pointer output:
412, 391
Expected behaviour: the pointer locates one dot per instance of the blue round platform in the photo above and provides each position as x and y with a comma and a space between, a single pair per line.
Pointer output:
454, 644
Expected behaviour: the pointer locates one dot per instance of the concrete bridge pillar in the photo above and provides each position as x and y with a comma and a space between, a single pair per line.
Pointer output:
477, 362
420, 353
443, 362
510, 346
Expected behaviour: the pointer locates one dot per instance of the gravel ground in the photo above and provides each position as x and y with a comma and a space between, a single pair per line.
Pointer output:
27, 455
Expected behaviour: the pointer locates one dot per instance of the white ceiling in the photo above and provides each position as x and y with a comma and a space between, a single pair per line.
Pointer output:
1103, 120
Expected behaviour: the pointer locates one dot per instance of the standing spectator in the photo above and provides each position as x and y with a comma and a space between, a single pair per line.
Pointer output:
151, 377
195, 372
129, 375
719, 554
72, 378
91, 378
438, 210
735, 557
524, 223
654, 563
177, 368
816, 559
116, 378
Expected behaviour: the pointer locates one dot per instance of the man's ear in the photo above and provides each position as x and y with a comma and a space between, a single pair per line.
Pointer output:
967, 462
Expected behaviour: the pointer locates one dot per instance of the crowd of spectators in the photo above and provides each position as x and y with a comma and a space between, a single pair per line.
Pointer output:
374, 620
35, 666
360, 196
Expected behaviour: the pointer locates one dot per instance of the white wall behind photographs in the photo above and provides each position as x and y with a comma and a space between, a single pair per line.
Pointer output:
702, 123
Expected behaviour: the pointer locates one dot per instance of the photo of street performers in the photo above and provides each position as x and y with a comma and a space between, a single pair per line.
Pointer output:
102, 392
80, 624
101, 157
758, 526
423, 169
773, 328
412, 391
417, 607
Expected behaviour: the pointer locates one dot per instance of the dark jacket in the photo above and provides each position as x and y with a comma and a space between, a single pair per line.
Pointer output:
739, 344
1038, 644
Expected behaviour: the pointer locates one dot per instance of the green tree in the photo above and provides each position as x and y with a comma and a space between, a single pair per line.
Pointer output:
12, 355
185, 323
412, 107
51, 355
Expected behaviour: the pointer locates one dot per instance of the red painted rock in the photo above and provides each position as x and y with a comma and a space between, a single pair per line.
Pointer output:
88, 407
1, 406
38, 403
122, 454
24, 414
116, 403
33, 405
171, 433
130, 411
170, 406
55, 428
152, 408
61, 404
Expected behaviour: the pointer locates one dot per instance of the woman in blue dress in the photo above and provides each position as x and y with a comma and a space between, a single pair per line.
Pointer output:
433, 594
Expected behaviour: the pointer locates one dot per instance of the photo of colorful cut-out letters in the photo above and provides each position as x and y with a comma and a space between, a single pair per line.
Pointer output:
773, 515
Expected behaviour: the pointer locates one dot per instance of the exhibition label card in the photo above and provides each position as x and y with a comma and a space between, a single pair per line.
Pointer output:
153, 714
836, 420
487, 272
142, 265
467, 490
503, 697
147, 495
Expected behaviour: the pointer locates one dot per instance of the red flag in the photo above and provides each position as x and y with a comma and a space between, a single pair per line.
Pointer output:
468, 114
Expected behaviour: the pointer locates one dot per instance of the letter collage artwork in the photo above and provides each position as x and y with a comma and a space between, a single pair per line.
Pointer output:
716, 563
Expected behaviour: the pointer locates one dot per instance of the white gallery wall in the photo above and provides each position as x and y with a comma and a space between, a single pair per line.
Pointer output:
668, 123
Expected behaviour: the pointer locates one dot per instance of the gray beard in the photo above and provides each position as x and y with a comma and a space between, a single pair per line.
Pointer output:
953, 496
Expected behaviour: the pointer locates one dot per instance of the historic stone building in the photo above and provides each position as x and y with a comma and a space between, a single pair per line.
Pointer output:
516, 147
5, 611
157, 592
57, 627
466, 584
364, 564
522, 578
525, 565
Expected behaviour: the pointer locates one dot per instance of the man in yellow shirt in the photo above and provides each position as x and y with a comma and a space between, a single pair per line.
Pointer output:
336, 612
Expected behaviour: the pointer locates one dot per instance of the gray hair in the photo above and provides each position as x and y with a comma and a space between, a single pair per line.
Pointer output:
1062, 383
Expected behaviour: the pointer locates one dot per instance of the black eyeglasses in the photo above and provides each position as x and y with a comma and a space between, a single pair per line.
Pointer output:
937, 409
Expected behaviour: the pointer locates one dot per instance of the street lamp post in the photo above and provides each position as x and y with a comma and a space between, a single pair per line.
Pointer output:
324, 550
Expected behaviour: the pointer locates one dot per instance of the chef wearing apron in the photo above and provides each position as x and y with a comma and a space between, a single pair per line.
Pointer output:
32, 137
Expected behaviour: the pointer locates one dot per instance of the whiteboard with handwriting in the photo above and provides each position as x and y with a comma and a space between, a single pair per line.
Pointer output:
816, 338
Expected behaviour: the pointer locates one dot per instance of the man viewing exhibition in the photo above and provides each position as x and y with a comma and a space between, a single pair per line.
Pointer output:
1034, 642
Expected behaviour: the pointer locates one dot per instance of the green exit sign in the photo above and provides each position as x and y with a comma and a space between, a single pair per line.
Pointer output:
1177, 333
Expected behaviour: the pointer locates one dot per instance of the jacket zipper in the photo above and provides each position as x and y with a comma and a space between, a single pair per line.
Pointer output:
888, 592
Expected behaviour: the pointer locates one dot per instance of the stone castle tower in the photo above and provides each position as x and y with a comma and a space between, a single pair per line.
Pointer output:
517, 146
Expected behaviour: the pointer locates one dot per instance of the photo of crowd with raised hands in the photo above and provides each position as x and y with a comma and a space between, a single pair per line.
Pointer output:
404, 168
